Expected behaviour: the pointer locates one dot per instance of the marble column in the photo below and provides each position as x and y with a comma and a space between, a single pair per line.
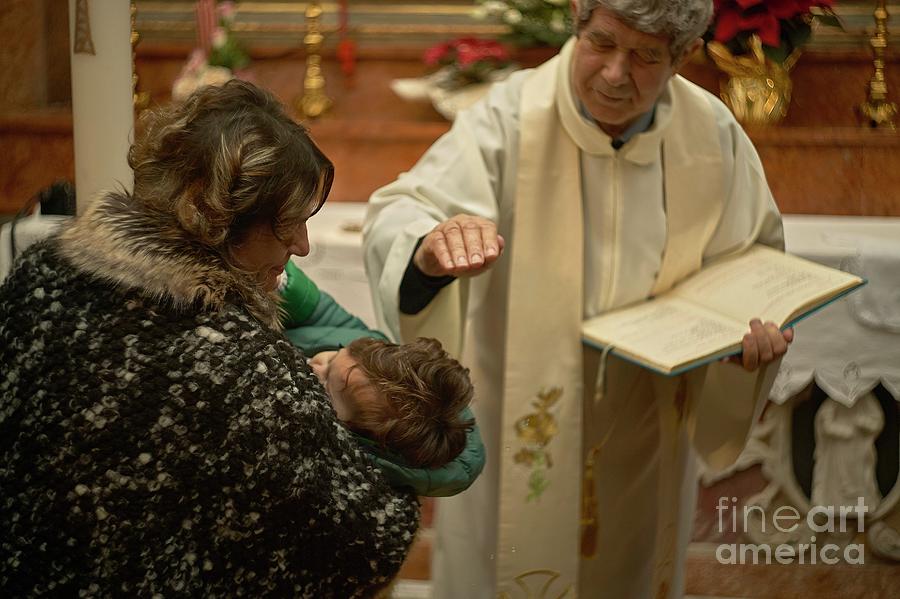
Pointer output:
102, 111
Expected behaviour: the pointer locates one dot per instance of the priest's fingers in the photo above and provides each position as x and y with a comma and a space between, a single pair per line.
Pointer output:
763, 344
433, 257
776, 338
788, 335
750, 354
463, 245
493, 249
763, 341
474, 243
479, 235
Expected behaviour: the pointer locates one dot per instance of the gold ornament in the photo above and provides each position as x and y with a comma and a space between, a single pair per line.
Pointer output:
877, 111
314, 102
757, 90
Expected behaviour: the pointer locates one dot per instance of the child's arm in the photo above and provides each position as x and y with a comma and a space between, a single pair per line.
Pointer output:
299, 295
315, 322
450, 479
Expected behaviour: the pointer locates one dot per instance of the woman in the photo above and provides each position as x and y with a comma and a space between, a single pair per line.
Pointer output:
158, 434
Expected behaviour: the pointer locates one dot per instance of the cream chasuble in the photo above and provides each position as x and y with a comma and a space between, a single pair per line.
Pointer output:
532, 307
539, 536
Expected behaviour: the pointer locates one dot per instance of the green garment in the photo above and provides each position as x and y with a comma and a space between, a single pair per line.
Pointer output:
450, 479
314, 322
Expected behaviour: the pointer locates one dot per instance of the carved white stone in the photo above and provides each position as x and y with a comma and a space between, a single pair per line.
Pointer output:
844, 471
845, 453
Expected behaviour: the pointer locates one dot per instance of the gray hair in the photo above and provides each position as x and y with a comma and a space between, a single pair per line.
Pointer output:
682, 21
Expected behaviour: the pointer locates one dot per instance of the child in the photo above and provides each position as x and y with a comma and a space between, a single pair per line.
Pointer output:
406, 397
406, 403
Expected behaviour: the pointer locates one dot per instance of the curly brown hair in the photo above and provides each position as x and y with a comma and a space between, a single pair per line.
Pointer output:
421, 391
225, 159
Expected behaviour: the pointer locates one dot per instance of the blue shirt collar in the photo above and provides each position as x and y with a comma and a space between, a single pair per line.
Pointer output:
641, 124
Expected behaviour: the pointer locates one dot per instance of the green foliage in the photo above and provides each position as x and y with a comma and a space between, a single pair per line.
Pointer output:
229, 55
531, 22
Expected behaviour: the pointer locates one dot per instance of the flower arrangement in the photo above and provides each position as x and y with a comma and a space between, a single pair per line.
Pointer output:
783, 26
225, 50
466, 60
219, 56
531, 22
756, 42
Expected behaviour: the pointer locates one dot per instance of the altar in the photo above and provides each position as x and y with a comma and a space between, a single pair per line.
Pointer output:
828, 439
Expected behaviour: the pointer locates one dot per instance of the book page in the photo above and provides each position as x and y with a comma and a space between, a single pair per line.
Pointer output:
764, 283
665, 331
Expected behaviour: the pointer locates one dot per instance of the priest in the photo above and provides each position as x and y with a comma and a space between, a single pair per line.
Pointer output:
599, 179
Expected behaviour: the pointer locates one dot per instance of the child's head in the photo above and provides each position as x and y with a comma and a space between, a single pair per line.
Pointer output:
406, 397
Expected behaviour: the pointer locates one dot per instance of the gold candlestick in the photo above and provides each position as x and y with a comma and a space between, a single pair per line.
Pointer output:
314, 101
878, 112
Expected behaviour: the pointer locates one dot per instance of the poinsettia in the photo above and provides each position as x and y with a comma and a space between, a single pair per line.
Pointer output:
782, 25
467, 60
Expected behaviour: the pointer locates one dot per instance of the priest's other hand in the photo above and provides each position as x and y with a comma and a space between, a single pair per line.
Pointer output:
763, 344
461, 246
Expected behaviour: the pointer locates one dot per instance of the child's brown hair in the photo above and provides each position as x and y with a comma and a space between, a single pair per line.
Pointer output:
422, 391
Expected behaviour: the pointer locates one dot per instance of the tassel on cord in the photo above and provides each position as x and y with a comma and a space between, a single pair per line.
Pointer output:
590, 527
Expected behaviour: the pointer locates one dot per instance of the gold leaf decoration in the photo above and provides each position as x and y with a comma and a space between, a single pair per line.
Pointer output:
536, 430
543, 580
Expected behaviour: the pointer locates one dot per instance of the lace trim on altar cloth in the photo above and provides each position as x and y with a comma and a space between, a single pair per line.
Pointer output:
852, 345
845, 387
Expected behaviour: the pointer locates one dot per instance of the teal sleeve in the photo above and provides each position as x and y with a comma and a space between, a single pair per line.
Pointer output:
299, 295
451, 479
328, 327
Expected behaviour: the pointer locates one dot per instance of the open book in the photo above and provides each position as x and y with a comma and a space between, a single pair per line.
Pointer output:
705, 317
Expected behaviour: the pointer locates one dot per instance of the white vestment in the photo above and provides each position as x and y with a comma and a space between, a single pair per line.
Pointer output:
473, 170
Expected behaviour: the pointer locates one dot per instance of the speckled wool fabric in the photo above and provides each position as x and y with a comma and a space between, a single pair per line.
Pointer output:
158, 439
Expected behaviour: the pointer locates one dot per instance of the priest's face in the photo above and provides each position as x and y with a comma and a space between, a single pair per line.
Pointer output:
618, 73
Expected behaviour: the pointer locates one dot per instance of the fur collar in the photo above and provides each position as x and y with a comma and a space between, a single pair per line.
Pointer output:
118, 241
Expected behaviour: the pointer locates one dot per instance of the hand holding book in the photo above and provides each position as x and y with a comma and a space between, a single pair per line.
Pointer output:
763, 344
704, 318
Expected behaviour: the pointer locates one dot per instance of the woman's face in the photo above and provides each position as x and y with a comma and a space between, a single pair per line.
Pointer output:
263, 253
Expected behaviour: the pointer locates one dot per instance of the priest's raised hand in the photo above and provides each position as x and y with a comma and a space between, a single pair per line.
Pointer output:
461, 246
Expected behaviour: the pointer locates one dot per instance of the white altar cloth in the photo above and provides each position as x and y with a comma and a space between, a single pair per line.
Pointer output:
335, 260
853, 344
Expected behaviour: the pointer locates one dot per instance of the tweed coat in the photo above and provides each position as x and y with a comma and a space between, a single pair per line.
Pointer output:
160, 437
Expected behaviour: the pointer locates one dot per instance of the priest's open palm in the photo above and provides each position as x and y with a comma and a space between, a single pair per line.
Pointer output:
461, 246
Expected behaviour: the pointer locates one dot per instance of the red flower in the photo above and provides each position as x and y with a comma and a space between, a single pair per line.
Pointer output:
465, 52
435, 55
762, 17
